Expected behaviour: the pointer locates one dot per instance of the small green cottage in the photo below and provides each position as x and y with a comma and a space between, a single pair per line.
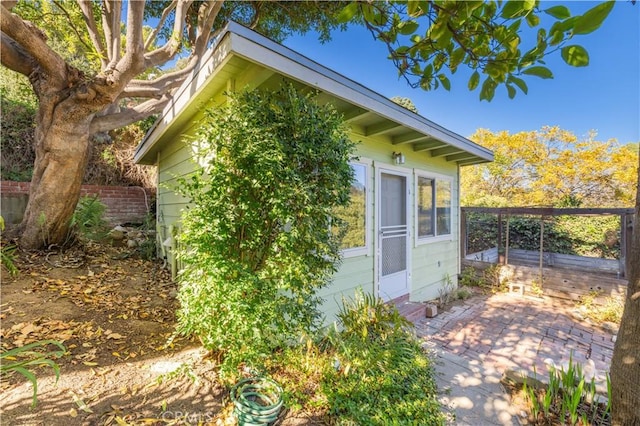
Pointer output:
406, 243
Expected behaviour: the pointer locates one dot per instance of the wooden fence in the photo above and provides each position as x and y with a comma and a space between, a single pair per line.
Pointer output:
563, 283
555, 274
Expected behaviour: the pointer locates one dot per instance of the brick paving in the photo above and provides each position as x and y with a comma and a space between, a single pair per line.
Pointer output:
508, 331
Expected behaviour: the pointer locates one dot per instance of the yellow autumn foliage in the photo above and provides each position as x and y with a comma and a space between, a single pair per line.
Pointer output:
551, 167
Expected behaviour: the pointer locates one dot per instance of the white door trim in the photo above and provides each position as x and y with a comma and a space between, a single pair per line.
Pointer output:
407, 174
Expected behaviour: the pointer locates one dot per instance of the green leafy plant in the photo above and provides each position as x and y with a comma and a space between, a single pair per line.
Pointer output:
378, 364
463, 293
608, 310
536, 288
7, 254
8, 257
446, 293
24, 359
88, 218
569, 396
469, 278
255, 244
367, 317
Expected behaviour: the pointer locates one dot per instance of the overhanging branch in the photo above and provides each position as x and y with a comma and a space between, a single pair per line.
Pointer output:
128, 115
15, 57
159, 86
162, 54
156, 30
32, 41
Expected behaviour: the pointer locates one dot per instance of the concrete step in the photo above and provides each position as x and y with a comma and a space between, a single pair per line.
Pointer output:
413, 311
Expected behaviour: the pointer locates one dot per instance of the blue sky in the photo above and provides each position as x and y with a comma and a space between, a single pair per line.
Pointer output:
605, 96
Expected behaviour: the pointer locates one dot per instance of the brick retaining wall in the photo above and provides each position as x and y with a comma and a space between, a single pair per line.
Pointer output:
124, 203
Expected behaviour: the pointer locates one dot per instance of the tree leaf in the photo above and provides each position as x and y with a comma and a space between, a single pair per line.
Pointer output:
456, 57
407, 27
538, 71
519, 82
347, 13
412, 8
511, 91
558, 12
593, 18
575, 55
533, 20
488, 89
445, 81
474, 80
556, 33
512, 9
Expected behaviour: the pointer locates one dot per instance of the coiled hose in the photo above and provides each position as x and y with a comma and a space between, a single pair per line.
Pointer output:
257, 401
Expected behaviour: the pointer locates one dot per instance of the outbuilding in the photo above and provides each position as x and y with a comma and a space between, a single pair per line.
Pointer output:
405, 243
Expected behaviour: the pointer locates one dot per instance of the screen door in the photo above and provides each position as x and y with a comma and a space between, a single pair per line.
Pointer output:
393, 236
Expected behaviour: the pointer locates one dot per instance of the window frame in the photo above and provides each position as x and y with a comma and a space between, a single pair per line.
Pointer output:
366, 249
435, 178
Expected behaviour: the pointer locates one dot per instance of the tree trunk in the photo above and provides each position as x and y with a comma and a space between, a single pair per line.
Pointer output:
62, 147
625, 365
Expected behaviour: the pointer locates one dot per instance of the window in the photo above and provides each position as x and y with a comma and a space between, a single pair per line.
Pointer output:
433, 204
355, 241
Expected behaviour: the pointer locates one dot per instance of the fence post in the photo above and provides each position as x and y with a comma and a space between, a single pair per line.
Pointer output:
541, 246
626, 222
500, 255
506, 245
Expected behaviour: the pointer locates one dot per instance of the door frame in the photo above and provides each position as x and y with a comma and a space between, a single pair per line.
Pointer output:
407, 174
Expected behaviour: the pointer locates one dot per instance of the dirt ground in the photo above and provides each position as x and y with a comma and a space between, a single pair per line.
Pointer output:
115, 314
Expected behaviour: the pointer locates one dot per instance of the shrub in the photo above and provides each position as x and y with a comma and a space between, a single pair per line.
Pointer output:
382, 376
367, 370
255, 244
594, 236
568, 396
368, 318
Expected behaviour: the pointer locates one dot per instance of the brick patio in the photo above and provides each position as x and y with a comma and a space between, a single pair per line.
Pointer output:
508, 331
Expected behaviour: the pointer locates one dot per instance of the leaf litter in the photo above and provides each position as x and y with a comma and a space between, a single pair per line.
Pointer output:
116, 316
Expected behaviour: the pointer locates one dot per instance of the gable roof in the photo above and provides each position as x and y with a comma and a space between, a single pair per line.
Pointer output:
258, 61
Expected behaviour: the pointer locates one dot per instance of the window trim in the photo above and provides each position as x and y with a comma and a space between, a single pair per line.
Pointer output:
436, 178
366, 249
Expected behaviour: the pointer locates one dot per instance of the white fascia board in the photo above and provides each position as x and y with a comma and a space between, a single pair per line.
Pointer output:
236, 39
256, 47
212, 62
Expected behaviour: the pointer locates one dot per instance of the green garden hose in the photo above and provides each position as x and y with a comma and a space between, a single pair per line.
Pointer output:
257, 401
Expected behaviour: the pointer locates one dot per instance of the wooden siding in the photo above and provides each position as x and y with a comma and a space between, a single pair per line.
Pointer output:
431, 262
354, 273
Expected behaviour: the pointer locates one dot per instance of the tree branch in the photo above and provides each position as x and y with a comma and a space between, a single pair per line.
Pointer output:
132, 63
171, 47
163, 18
128, 115
32, 41
206, 17
135, 17
90, 22
159, 86
15, 57
111, 26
